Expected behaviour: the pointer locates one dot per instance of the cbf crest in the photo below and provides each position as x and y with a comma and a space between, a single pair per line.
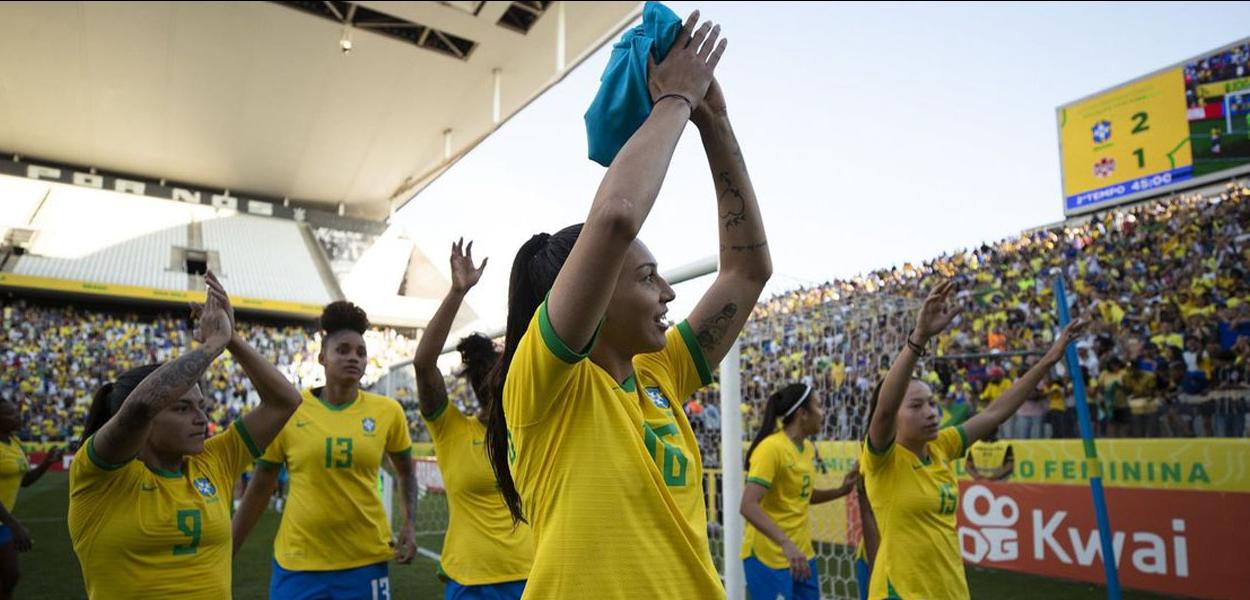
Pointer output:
657, 397
369, 425
205, 487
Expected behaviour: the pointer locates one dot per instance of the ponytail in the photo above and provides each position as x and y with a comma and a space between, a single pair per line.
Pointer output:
534, 272
110, 397
782, 406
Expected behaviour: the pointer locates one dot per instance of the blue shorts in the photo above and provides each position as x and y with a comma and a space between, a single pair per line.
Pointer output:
765, 583
370, 582
862, 576
510, 590
6, 535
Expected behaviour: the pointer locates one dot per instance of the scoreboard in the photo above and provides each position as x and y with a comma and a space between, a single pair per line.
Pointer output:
1181, 125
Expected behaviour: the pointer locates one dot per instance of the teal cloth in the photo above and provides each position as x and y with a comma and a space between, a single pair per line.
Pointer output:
623, 101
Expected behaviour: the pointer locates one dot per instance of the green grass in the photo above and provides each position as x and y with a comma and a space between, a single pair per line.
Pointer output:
1234, 147
50, 571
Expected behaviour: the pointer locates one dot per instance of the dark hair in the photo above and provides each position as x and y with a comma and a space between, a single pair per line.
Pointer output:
479, 355
534, 271
109, 398
343, 316
779, 403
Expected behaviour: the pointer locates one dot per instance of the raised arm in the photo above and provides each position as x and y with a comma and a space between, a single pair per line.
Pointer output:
121, 437
431, 391
585, 284
934, 317
745, 262
278, 398
988, 420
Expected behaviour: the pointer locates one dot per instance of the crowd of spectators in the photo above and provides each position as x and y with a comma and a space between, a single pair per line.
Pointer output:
53, 357
1165, 284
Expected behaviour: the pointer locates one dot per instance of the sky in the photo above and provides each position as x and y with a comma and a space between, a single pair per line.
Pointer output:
875, 134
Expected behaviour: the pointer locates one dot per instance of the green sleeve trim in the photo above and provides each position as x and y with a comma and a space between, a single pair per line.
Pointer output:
963, 440
267, 463
696, 352
557, 345
874, 451
438, 412
405, 453
762, 482
100, 462
247, 438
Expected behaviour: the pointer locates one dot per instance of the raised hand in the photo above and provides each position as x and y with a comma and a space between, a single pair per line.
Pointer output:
935, 316
687, 69
1055, 353
218, 293
214, 326
463, 274
713, 105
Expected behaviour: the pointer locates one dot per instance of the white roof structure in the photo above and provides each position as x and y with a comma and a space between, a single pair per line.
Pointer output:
260, 97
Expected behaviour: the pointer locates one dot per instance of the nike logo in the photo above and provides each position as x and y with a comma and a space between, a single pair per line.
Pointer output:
147, 487
301, 423
477, 442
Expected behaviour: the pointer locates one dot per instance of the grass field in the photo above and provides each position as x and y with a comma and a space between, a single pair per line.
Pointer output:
50, 572
1234, 147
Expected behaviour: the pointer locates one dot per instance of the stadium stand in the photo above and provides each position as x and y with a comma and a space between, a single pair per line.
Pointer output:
260, 258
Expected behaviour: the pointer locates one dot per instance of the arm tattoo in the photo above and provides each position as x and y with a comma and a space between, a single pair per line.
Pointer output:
408, 480
736, 213
165, 386
713, 329
747, 248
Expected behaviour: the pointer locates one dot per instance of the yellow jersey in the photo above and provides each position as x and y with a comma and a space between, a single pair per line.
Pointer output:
609, 474
915, 504
988, 456
481, 546
143, 533
13, 466
787, 471
334, 518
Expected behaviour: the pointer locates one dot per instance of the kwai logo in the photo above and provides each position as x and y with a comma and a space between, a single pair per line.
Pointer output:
994, 528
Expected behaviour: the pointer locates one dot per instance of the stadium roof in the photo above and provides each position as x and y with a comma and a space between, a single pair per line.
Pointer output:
259, 98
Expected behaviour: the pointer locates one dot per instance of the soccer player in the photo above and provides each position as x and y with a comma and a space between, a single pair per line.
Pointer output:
906, 463
334, 540
484, 556
777, 554
15, 473
592, 378
149, 492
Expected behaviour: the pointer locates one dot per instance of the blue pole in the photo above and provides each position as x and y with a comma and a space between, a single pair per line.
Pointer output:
1091, 452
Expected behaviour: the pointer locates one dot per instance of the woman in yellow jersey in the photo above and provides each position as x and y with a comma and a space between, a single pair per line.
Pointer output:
159, 527
906, 464
593, 375
15, 473
777, 554
334, 540
484, 556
